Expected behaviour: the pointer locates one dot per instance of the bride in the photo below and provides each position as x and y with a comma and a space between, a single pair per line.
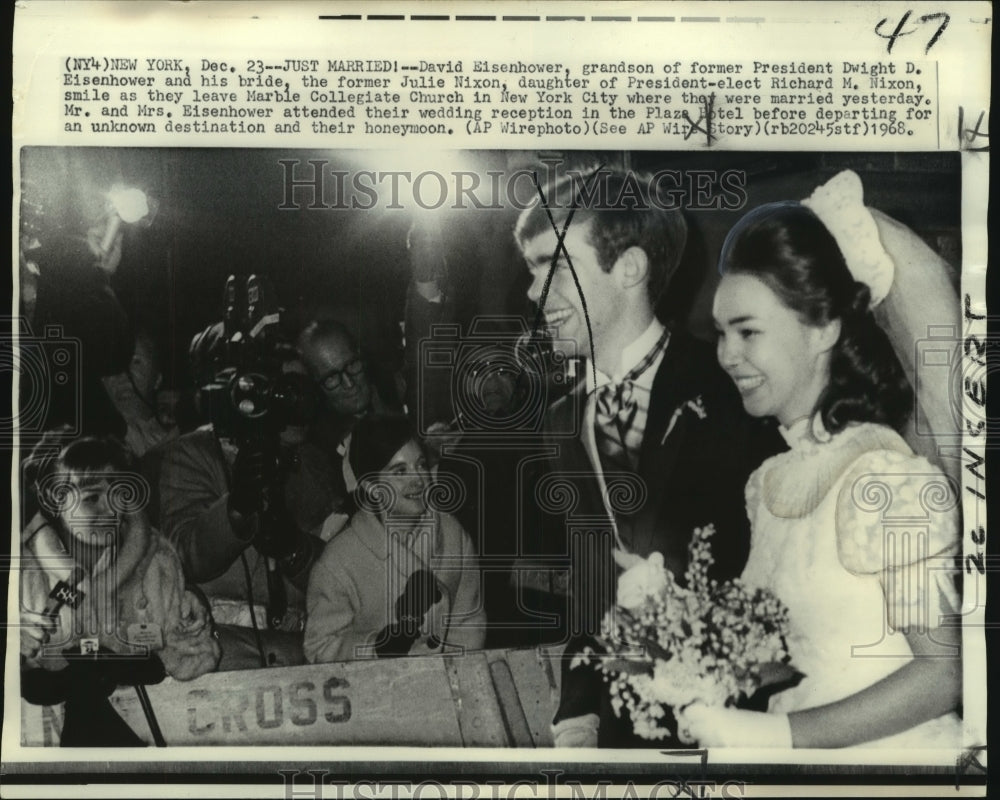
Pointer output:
849, 528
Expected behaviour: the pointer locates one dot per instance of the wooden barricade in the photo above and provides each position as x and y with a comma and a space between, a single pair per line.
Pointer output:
497, 698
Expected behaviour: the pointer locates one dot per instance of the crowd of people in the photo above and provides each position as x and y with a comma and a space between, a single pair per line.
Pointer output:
407, 515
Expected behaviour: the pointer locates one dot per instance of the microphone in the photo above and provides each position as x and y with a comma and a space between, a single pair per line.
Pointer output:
65, 593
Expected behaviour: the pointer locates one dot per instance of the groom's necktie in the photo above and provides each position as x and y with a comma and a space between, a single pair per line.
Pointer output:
620, 420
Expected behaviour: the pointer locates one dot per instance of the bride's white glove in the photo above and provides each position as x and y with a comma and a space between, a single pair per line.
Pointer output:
576, 731
717, 726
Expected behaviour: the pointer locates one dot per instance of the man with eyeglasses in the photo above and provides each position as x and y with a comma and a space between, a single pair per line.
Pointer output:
333, 360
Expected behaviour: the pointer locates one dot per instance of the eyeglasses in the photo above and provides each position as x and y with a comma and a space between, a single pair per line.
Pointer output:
334, 379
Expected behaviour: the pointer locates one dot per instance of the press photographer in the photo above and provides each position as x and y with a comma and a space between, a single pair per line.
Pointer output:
222, 491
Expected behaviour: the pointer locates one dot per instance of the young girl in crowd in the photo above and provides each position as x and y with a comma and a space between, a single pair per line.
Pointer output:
401, 578
103, 601
851, 530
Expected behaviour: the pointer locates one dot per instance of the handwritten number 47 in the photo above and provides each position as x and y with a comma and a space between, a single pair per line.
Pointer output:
892, 37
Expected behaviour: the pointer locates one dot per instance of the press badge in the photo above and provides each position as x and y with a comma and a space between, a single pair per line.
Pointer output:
145, 634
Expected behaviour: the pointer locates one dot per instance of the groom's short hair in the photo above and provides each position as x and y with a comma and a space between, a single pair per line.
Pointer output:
622, 212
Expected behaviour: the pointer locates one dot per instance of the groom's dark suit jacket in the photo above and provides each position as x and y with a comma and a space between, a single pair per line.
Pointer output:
698, 450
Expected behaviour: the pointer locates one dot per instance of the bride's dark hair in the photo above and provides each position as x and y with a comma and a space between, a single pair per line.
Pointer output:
785, 246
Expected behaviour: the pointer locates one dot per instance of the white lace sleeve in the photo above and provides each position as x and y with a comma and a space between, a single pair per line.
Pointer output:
753, 499
898, 517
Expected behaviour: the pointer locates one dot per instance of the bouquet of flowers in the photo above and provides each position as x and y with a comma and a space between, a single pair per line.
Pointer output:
669, 644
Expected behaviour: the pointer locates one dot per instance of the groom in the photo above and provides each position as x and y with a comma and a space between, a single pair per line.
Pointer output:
660, 445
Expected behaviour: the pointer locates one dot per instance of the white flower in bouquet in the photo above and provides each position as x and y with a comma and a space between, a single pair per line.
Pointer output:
644, 579
680, 681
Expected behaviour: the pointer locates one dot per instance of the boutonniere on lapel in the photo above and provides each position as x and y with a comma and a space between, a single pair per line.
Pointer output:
696, 405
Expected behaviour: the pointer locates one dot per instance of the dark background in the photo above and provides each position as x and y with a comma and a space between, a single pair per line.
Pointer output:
219, 213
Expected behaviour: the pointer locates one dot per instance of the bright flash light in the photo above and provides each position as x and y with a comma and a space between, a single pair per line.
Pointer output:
130, 204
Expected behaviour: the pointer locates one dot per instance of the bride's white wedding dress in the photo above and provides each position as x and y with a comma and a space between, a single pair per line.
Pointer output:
857, 536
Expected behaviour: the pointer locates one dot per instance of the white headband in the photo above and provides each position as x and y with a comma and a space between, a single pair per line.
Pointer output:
839, 204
